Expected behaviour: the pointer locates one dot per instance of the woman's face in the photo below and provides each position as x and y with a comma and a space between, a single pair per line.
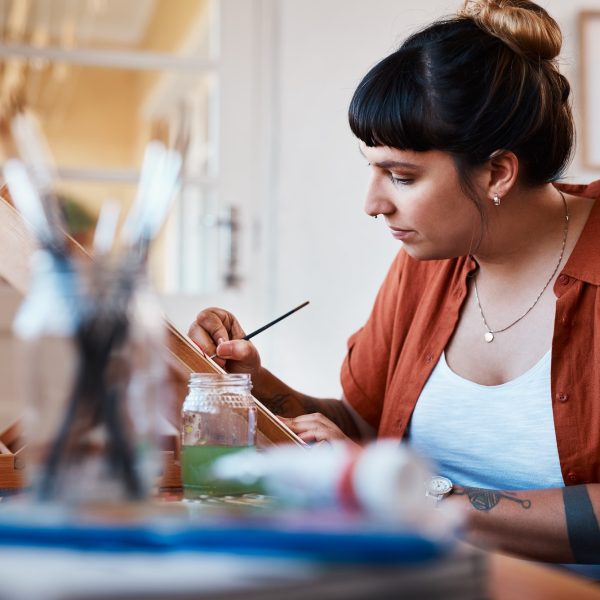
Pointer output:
419, 195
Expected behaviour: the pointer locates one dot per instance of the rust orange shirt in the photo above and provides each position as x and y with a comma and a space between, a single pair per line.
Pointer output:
416, 311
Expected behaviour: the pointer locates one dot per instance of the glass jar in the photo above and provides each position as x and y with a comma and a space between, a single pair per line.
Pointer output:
92, 339
218, 418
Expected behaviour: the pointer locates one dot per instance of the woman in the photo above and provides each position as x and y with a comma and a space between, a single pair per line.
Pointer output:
480, 350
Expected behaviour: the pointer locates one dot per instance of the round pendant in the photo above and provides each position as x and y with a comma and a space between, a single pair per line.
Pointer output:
488, 337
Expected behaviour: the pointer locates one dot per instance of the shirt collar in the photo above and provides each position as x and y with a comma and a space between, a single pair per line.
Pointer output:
583, 264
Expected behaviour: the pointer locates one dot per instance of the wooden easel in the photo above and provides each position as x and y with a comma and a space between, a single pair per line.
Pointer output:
16, 247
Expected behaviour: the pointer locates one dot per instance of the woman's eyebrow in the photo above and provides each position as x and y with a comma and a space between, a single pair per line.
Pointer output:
390, 164
394, 164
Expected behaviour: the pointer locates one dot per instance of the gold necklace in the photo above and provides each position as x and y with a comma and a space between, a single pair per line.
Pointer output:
489, 333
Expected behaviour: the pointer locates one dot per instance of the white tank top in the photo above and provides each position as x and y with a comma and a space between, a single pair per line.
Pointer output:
499, 437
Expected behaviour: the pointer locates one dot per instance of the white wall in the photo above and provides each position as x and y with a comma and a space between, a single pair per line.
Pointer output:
328, 250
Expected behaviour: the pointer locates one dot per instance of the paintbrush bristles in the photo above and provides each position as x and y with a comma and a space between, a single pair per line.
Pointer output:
30, 176
106, 227
11, 104
27, 199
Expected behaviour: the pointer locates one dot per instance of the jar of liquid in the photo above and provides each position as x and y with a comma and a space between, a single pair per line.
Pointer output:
219, 418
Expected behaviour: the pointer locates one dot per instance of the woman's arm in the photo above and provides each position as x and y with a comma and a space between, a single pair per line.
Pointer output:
302, 413
218, 332
554, 525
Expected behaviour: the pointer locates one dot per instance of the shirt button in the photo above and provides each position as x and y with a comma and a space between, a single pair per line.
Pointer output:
399, 422
562, 397
572, 477
428, 357
564, 279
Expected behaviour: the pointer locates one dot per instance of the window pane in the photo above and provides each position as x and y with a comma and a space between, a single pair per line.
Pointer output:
151, 25
93, 71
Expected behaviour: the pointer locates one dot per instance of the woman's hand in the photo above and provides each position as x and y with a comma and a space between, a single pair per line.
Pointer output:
218, 331
315, 428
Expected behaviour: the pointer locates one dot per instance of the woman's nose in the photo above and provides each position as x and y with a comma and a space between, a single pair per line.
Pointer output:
377, 201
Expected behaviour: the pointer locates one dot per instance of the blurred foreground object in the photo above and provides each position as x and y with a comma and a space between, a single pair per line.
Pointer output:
384, 481
92, 331
95, 375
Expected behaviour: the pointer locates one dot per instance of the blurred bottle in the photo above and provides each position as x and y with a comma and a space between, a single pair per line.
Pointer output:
218, 418
92, 341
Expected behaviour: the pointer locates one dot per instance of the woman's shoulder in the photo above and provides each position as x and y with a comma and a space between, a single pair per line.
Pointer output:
585, 190
584, 229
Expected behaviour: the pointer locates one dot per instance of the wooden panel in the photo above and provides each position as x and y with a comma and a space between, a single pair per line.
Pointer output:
16, 247
10, 408
11, 458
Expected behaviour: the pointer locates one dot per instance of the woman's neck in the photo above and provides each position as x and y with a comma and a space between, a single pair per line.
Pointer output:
525, 232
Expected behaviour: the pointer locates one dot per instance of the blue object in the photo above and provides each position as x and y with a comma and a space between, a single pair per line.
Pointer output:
361, 544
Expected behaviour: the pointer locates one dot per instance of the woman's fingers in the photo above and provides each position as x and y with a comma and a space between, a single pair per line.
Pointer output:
243, 355
202, 339
303, 422
219, 324
217, 331
213, 326
314, 427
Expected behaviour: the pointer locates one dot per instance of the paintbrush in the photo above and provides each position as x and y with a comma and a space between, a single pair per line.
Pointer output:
261, 329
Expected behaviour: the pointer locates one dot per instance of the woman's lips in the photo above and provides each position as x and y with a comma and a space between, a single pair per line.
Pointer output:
401, 234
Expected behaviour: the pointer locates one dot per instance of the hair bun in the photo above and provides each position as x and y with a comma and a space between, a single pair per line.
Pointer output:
523, 25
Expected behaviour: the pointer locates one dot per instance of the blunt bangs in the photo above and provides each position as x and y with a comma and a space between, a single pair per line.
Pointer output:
390, 108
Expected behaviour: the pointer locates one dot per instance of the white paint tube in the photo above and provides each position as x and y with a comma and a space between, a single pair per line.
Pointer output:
384, 480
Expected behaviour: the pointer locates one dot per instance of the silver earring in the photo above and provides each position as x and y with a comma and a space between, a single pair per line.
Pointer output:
496, 199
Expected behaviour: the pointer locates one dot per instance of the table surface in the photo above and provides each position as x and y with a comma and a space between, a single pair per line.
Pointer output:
36, 574
511, 578
507, 578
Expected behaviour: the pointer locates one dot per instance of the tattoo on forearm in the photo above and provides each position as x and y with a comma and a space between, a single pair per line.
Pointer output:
484, 500
582, 525
277, 403
312, 405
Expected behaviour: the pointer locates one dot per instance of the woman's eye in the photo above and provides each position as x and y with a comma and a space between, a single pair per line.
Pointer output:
400, 180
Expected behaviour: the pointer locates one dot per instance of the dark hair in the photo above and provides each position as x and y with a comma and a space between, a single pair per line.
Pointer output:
470, 88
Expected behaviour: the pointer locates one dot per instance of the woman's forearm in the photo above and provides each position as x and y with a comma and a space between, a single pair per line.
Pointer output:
555, 525
287, 402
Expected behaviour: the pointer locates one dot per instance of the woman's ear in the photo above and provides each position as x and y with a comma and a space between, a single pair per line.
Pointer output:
503, 171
